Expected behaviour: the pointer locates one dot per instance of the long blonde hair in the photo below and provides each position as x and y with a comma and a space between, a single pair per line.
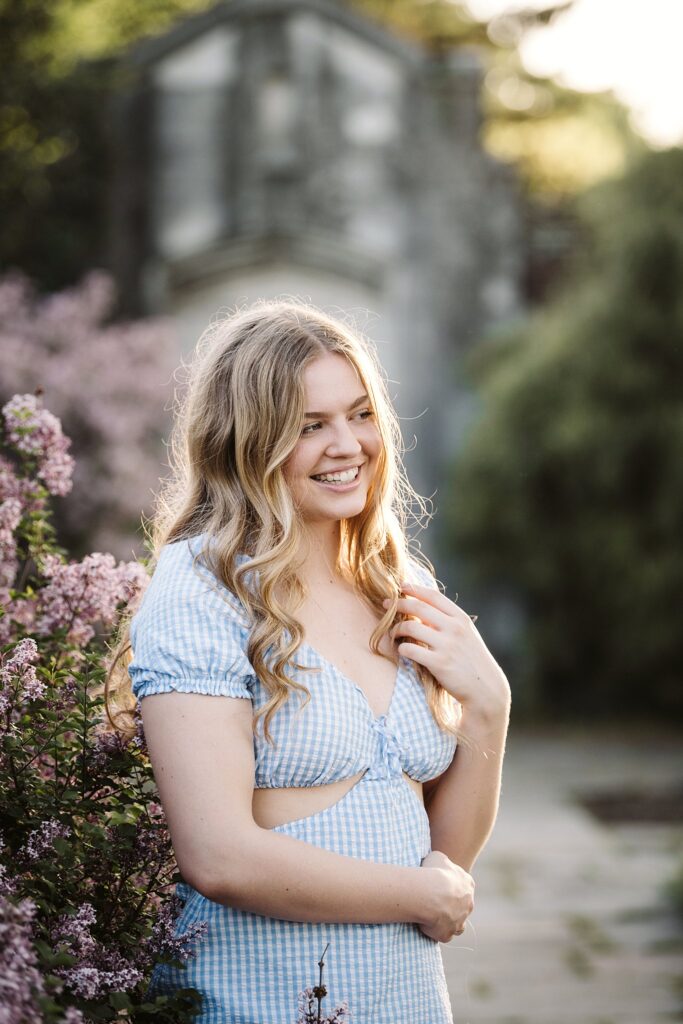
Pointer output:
236, 425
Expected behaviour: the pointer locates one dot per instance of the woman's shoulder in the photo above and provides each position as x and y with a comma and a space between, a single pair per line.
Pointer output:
417, 572
182, 582
190, 631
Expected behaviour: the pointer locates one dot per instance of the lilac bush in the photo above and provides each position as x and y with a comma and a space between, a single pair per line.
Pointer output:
87, 874
109, 383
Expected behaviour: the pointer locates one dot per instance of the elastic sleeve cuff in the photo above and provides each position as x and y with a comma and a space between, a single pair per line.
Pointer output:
158, 683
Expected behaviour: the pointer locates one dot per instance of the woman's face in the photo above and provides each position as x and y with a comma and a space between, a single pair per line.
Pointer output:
339, 437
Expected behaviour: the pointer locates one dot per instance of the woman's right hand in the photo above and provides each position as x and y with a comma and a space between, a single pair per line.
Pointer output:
450, 900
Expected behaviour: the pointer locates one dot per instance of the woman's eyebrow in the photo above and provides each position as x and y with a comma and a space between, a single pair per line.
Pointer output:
322, 415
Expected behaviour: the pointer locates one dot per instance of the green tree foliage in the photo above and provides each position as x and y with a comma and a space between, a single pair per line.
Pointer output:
53, 128
573, 474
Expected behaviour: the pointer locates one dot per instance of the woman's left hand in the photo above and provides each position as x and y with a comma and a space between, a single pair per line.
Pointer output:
454, 651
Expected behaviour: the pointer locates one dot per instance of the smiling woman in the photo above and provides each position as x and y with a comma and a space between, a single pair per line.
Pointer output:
339, 450
291, 729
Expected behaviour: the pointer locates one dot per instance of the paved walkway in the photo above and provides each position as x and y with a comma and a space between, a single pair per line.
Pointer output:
570, 925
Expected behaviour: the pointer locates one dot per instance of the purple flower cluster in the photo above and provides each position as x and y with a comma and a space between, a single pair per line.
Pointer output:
99, 970
18, 679
107, 744
8, 884
73, 1016
40, 841
78, 594
10, 517
308, 1012
11, 511
29, 494
34, 431
118, 420
82, 593
164, 942
21, 982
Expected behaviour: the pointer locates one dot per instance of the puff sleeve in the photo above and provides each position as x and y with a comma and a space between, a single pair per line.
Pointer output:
185, 635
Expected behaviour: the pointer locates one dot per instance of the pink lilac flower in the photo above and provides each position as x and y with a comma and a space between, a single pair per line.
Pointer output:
36, 432
57, 468
93, 982
24, 654
11, 511
73, 1016
19, 668
118, 421
8, 572
10, 484
164, 941
40, 840
107, 744
133, 580
10, 517
24, 490
139, 739
82, 593
99, 969
152, 844
8, 885
23, 611
21, 983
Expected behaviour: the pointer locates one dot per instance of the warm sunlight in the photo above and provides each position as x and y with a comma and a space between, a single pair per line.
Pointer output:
630, 47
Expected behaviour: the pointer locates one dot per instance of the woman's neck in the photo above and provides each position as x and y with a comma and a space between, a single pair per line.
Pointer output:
319, 555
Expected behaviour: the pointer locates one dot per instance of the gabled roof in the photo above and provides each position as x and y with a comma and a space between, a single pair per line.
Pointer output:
191, 27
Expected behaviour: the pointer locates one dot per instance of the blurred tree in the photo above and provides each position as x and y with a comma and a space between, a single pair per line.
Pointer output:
573, 475
561, 141
53, 138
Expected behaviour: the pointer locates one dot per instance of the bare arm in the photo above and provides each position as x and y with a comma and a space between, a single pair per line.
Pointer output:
201, 749
463, 806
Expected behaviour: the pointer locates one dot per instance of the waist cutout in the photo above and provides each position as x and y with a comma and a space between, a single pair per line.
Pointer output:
278, 806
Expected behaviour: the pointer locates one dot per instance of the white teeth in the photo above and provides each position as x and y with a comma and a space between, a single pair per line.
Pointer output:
338, 478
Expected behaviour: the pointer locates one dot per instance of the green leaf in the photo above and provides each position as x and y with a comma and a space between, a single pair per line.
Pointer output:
120, 1001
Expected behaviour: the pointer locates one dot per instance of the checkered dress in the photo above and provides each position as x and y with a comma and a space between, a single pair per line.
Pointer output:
249, 968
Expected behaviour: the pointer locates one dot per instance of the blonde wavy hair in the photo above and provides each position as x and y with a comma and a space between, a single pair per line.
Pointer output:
234, 429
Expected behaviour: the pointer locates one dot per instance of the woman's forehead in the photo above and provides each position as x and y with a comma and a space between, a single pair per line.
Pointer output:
331, 379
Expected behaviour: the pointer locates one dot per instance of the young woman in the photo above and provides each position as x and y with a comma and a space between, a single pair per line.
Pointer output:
303, 686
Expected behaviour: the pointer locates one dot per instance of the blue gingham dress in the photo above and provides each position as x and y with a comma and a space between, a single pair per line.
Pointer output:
250, 968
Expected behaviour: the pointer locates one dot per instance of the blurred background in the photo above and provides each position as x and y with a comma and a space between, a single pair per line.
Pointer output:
493, 193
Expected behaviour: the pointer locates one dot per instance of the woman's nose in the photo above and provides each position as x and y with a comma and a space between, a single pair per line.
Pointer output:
344, 441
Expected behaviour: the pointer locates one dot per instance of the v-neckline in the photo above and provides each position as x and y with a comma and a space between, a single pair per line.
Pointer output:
361, 691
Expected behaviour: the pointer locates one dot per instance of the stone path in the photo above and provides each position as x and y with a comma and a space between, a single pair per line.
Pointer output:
570, 925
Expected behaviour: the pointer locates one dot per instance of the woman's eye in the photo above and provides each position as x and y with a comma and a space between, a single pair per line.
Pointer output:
364, 414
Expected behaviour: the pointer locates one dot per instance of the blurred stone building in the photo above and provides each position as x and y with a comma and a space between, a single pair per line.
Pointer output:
291, 147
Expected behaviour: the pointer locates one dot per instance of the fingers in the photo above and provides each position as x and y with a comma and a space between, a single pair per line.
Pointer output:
432, 606
422, 655
431, 597
415, 629
427, 612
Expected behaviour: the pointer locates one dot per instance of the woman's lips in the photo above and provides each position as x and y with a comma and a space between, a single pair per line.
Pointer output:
339, 487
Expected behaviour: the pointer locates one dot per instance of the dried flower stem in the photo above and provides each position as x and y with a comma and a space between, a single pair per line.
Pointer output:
321, 991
